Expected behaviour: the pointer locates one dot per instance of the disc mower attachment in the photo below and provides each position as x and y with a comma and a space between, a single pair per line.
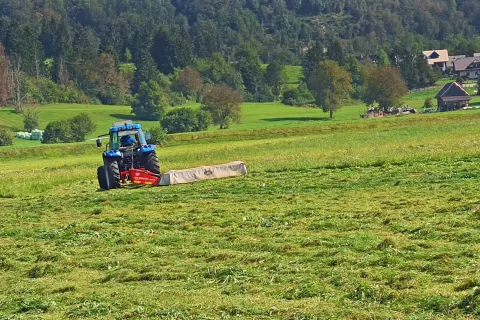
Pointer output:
232, 169
142, 176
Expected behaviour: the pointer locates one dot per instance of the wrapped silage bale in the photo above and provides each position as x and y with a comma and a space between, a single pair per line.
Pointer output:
36, 134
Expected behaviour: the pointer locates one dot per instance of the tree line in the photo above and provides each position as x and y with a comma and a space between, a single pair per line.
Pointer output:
152, 54
103, 51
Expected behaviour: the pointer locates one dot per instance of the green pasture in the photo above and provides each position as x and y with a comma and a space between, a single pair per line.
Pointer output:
294, 74
254, 115
373, 219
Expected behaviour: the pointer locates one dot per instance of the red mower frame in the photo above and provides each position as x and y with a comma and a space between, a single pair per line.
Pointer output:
141, 176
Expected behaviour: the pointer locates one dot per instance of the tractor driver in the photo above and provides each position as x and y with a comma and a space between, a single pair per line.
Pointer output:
127, 141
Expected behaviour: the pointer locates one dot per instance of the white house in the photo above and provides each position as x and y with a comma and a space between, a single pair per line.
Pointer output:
437, 58
467, 68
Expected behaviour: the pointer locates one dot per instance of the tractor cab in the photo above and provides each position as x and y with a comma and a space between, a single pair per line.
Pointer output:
127, 138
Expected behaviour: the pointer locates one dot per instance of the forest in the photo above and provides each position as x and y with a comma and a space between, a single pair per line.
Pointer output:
102, 51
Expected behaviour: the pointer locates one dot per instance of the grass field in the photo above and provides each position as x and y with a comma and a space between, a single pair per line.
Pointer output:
294, 74
254, 115
352, 219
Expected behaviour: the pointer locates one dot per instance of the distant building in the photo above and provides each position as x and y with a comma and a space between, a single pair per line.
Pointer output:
452, 59
437, 58
452, 97
467, 68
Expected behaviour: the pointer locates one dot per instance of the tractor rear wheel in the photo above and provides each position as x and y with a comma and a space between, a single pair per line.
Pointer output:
102, 178
113, 174
151, 162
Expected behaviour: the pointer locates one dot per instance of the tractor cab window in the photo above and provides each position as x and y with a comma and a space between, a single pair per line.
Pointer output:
114, 145
127, 138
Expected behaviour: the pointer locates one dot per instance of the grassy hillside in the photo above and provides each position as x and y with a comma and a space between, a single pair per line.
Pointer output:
360, 220
294, 73
255, 115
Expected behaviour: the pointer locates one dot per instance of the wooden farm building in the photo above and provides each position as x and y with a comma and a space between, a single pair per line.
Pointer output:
452, 97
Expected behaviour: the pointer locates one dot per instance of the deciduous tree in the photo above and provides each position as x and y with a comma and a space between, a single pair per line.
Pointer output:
385, 86
188, 82
223, 103
150, 102
4, 63
331, 86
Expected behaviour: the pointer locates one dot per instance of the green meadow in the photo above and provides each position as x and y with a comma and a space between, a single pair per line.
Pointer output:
337, 219
254, 115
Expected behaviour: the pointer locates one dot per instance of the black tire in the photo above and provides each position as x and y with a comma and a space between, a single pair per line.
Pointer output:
151, 162
113, 174
102, 178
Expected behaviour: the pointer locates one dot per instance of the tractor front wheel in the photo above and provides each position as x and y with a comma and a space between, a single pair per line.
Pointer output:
112, 174
151, 162
102, 178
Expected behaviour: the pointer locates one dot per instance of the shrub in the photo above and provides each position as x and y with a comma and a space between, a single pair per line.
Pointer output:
113, 96
289, 97
6, 139
58, 131
428, 104
265, 94
72, 95
31, 91
204, 120
158, 136
71, 130
44, 90
186, 120
50, 91
81, 125
298, 96
177, 99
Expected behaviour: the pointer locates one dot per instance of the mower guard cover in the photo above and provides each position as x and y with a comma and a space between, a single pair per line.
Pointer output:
232, 169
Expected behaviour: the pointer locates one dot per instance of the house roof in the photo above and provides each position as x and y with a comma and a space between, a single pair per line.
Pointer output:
434, 56
451, 59
463, 63
453, 92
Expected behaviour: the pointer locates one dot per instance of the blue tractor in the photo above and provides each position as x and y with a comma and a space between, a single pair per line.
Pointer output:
128, 148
